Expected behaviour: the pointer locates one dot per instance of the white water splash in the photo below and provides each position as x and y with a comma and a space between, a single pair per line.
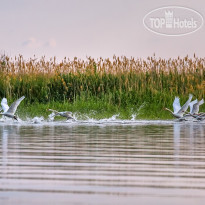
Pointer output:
51, 117
37, 120
5, 119
138, 112
87, 121
133, 117
111, 119
140, 108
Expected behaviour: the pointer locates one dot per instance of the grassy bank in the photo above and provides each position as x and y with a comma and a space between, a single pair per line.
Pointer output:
98, 109
103, 87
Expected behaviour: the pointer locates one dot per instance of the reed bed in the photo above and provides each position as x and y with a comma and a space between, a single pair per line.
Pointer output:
120, 81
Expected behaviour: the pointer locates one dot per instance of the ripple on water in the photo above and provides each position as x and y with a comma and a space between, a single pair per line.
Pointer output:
130, 161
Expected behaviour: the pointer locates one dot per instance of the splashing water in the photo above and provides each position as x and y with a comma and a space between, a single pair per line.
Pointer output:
133, 117
79, 119
113, 118
140, 108
51, 117
5, 119
137, 113
37, 120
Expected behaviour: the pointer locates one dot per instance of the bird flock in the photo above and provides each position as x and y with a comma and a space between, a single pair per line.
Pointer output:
10, 111
180, 112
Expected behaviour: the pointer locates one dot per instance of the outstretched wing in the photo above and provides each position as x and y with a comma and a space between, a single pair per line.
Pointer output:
191, 105
201, 102
186, 105
196, 106
13, 107
176, 105
4, 105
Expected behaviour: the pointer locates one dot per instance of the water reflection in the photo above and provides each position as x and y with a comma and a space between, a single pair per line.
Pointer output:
103, 163
177, 129
4, 144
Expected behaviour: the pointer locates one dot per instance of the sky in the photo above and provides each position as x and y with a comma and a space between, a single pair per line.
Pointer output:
96, 28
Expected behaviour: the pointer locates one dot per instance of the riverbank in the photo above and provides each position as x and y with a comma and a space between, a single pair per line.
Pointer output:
102, 88
92, 109
98, 109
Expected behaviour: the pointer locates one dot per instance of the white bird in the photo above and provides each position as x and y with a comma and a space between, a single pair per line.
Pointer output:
195, 109
4, 105
62, 114
12, 109
191, 105
178, 110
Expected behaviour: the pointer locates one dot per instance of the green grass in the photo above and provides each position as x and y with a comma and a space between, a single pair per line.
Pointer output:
101, 88
96, 109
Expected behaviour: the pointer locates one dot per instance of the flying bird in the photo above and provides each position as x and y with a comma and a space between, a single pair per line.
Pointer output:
4, 105
10, 112
65, 114
191, 105
178, 110
195, 110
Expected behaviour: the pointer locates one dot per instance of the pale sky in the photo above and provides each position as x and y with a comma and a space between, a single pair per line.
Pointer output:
96, 28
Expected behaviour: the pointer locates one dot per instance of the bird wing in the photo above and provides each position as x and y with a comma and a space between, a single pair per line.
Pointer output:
201, 102
176, 105
186, 105
4, 105
14, 105
65, 114
56, 112
196, 106
191, 105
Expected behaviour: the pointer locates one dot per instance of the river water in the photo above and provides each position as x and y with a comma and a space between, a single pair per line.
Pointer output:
151, 162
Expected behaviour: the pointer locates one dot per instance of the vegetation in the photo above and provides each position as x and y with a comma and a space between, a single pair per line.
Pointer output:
121, 85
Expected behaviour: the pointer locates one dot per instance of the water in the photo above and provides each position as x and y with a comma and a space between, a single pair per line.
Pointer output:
102, 162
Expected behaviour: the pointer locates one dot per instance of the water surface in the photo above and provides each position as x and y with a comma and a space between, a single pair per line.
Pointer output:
140, 163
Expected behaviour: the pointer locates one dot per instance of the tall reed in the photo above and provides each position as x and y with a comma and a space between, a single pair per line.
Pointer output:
120, 81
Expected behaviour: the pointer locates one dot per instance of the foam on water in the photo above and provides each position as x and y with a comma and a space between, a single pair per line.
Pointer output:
37, 120
51, 116
77, 120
